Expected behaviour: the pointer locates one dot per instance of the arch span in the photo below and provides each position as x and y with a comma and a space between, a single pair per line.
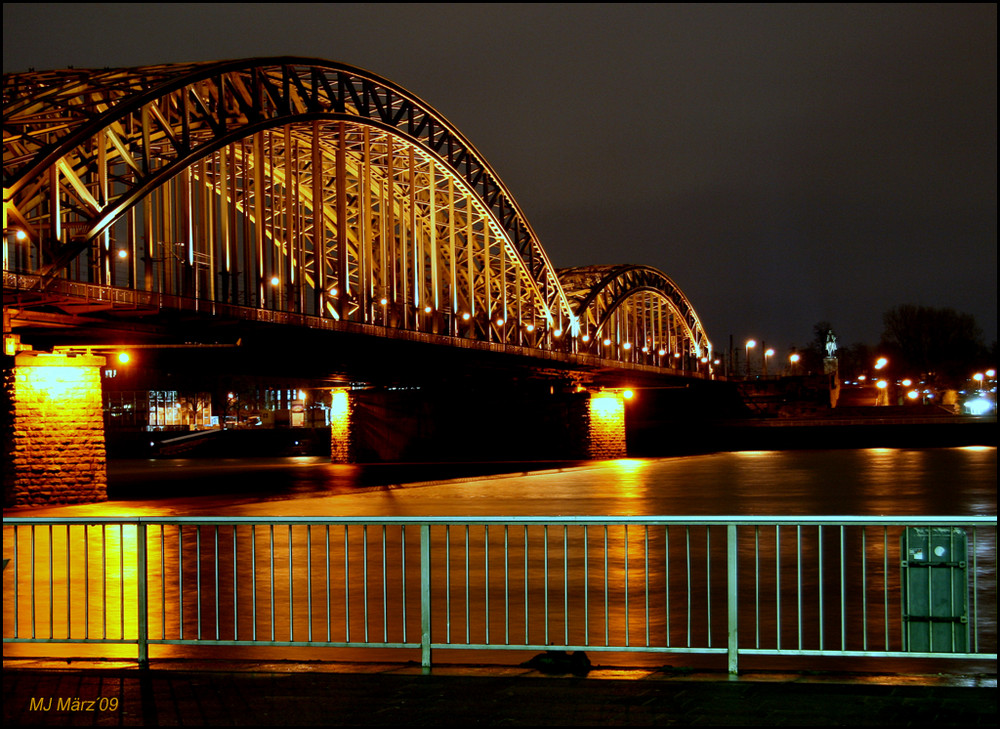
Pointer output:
295, 185
635, 313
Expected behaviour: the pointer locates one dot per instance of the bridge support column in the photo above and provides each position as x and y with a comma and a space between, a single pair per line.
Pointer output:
606, 425
54, 448
341, 425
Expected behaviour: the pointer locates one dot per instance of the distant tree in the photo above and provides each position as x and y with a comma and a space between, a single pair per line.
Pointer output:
855, 360
943, 345
813, 353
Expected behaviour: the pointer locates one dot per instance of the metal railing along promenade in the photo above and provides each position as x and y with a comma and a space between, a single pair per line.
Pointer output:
918, 587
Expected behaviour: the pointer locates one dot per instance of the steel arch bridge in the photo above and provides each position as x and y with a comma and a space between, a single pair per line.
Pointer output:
304, 187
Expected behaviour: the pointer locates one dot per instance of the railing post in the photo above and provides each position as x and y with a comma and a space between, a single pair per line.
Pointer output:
143, 614
425, 597
734, 613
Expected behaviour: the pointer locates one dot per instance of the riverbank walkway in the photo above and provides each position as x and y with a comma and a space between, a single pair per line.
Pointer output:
182, 693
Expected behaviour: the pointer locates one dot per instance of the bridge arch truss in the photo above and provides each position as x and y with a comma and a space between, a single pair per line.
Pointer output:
300, 186
637, 314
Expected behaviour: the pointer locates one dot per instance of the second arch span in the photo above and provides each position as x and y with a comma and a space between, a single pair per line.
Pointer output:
304, 186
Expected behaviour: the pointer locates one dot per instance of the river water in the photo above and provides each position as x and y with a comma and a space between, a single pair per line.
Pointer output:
635, 585
877, 481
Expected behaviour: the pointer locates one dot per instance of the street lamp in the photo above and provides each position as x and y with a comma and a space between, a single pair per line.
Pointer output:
882, 397
751, 343
767, 353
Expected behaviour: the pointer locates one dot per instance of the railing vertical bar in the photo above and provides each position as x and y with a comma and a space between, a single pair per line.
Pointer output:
526, 623
163, 582
645, 569
545, 581
819, 553
565, 584
52, 587
253, 581
385, 587
798, 542
666, 580
215, 570
364, 569
885, 583
329, 592
506, 585
708, 582
142, 614
402, 554
586, 586
843, 595
486, 576
197, 534
904, 625
236, 593
291, 595
17, 576
777, 584
756, 586
468, 622
86, 580
864, 588
447, 583
104, 581
121, 582
687, 540
271, 577
425, 596
732, 559
347, 587
309, 592
180, 579
607, 619
69, 588
626, 585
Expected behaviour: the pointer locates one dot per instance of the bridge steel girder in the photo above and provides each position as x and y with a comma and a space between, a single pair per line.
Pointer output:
295, 185
638, 311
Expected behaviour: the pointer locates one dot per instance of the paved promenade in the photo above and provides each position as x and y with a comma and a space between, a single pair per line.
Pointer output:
42, 693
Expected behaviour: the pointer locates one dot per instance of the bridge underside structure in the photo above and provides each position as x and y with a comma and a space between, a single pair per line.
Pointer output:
295, 192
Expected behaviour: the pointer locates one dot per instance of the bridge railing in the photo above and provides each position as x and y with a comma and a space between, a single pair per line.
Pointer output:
879, 587
100, 294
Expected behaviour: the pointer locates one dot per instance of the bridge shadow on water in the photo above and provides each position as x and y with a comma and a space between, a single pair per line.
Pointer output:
282, 477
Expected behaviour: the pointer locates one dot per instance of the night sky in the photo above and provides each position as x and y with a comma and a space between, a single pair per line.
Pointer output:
782, 164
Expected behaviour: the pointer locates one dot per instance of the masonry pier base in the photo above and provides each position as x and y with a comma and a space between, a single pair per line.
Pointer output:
54, 449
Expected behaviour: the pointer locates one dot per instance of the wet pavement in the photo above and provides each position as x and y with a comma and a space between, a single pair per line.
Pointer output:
175, 693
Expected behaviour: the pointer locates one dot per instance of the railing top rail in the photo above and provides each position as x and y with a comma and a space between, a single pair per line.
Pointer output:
208, 520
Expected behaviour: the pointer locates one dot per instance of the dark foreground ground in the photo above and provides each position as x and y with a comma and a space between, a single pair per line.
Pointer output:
352, 694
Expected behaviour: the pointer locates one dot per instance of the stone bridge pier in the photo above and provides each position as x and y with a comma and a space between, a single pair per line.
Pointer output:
53, 422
